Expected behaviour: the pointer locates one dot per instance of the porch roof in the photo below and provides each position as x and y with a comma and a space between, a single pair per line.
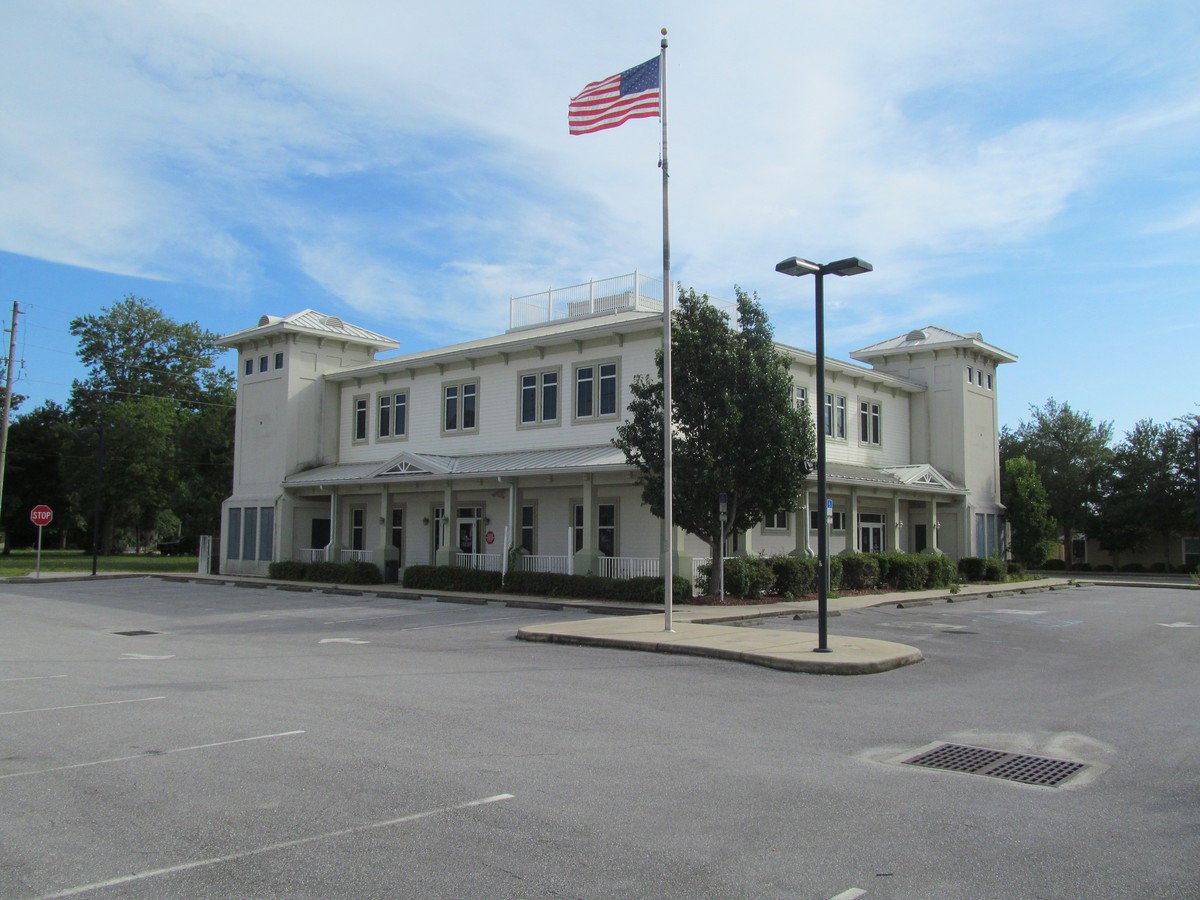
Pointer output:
921, 478
409, 466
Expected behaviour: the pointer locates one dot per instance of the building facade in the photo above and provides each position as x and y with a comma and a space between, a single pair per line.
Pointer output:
498, 452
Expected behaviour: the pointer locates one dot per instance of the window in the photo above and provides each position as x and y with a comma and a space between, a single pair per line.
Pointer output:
461, 406
869, 422
801, 396
979, 377
248, 368
835, 416
360, 418
539, 398
262, 364
233, 545
596, 391
1191, 552
439, 527
358, 528
838, 524
776, 521
970, 374
989, 379
250, 533
279, 360
528, 529
391, 419
606, 528
398, 532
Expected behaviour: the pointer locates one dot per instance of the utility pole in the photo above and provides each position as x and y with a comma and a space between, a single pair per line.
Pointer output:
8, 380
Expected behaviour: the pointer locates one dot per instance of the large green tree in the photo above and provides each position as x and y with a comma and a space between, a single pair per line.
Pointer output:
33, 474
1147, 490
735, 428
1033, 528
155, 413
1072, 455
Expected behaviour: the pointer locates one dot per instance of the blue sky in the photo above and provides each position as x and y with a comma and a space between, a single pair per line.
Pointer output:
1027, 170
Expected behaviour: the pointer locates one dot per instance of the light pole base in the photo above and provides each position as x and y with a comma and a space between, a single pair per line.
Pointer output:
822, 650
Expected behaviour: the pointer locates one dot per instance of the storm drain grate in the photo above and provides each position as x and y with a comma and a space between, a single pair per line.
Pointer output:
1039, 770
134, 633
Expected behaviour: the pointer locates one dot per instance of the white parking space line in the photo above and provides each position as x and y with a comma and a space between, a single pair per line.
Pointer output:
32, 678
270, 848
148, 755
849, 894
17, 712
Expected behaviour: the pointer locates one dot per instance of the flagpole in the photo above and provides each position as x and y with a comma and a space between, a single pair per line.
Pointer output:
668, 487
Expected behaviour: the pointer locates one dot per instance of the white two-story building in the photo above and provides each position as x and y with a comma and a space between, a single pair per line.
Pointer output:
450, 456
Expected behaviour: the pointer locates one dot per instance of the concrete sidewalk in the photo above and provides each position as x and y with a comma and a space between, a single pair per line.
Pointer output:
698, 631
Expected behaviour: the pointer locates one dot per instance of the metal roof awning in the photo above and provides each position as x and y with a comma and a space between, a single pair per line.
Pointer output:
408, 466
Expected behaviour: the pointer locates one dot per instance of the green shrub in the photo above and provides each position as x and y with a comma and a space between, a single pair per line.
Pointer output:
940, 570
452, 578
287, 570
795, 575
1159, 567
901, 571
994, 569
647, 589
1081, 567
973, 568
1105, 567
1133, 567
1015, 568
748, 576
1054, 565
326, 572
860, 571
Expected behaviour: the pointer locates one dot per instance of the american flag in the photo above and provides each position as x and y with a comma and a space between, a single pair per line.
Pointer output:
633, 94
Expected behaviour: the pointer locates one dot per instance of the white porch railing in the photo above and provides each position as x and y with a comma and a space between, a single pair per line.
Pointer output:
484, 562
622, 292
629, 566
556, 565
312, 554
355, 556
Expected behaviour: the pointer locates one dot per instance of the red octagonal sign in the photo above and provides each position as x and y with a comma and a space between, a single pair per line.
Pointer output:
41, 515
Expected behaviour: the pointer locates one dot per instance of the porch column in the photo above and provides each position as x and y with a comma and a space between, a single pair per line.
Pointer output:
334, 536
854, 541
933, 525
801, 536
587, 559
896, 523
444, 555
384, 550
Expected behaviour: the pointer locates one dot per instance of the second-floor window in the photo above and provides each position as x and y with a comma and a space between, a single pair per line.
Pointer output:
392, 415
596, 390
835, 416
539, 398
460, 408
360, 418
869, 421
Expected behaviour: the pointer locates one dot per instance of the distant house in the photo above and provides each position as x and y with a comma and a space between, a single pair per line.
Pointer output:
449, 456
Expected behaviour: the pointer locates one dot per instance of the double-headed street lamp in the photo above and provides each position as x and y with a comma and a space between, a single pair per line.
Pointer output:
797, 266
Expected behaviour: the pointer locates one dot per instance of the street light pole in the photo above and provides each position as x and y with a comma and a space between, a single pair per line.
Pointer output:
798, 267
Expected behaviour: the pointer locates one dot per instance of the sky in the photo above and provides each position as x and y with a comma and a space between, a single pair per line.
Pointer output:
1027, 170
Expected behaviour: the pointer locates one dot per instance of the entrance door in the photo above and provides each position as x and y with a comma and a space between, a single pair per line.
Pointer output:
870, 532
320, 534
467, 529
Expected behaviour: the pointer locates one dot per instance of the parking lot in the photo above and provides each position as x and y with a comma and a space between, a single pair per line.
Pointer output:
169, 739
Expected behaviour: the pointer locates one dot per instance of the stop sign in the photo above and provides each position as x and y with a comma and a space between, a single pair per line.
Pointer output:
41, 515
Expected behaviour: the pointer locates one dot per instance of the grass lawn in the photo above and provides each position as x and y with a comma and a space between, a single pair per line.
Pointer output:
24, 562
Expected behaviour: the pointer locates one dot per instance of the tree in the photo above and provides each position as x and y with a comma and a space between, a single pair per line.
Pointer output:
1033, 529
1071, 453
33, 475
165, 411
1147, 492
735, 428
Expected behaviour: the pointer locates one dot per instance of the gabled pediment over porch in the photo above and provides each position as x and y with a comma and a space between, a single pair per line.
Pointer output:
923, 475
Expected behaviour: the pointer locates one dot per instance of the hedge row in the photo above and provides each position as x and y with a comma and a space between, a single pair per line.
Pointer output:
1161, 568
543, 584
330, 572
756, 576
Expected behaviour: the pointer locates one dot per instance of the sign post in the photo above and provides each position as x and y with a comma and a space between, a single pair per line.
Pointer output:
41, 516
